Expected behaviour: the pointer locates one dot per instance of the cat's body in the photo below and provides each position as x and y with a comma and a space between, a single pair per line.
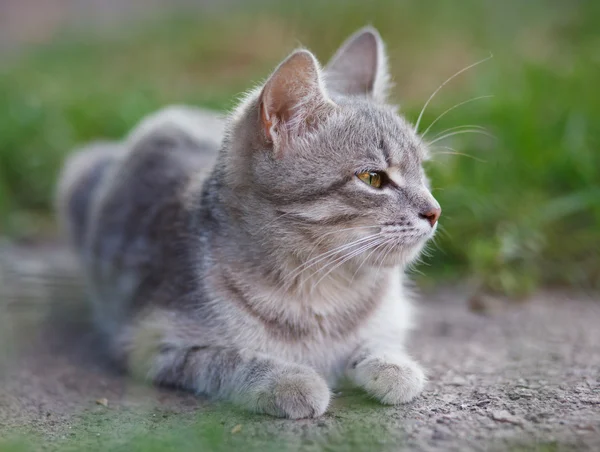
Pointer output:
218, 271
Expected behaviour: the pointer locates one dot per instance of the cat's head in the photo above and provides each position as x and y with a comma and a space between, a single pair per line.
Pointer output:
319, 158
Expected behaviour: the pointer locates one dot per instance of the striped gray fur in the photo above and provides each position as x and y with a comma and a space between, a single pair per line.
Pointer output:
242, 258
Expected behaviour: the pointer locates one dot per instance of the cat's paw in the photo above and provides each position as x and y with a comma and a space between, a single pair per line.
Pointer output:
391, 380
298, 393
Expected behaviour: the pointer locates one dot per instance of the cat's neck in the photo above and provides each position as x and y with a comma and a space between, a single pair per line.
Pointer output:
322, 303
309, 278
265, 260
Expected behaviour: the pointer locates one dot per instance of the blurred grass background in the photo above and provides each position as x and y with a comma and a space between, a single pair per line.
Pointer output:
520, 210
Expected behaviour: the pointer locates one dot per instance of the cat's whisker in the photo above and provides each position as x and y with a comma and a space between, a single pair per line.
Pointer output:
335, 263
311, 262
435, 152
466, 126
426, 251
360, 249
441, 230
346, 229
443, 147
460, 132
455, 152
412, 267
345, 259
382, 247
320, 239
336, 250
388, 248
473, 99
363, 262
444, 84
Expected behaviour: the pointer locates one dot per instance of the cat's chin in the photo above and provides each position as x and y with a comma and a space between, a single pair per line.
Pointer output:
401, 256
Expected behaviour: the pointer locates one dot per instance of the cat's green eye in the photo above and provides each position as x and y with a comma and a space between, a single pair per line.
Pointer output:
371, 178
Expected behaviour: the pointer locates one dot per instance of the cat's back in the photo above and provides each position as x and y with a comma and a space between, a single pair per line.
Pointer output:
164, 154
171, 145
141, 201
129, 221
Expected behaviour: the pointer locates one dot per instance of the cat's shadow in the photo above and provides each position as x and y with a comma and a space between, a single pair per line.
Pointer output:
46, 313
68, 331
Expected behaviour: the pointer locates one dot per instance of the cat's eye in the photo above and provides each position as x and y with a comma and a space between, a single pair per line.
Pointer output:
372, 178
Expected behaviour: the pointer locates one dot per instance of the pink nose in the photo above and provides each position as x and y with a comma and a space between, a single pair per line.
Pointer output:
432, 215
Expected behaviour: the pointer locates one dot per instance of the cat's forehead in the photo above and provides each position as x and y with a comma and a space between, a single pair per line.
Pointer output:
376, 131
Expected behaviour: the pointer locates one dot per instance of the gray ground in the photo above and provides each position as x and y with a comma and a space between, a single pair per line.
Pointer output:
526, 374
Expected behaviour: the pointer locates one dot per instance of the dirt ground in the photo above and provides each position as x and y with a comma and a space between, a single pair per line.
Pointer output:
524, 376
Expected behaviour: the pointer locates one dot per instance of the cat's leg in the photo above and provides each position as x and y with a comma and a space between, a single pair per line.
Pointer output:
392, 377
253, 380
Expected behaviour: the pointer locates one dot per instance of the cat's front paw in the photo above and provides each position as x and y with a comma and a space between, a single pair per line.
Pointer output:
391, 380
298, 393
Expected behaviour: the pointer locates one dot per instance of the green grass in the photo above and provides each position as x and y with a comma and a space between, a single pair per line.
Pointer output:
520, 210
356, 423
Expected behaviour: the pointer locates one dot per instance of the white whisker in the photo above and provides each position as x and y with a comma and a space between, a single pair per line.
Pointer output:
443, 84
314, 261
466, 126
363, 262
342, 230
346, 258
455, 152
388, 249
460, 132
320, 239
452, 108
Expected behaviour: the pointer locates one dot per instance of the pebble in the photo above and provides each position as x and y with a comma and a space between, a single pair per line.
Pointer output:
505, 416
457, 381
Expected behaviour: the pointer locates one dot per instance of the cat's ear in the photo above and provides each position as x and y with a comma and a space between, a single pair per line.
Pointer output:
292, 98
360, 67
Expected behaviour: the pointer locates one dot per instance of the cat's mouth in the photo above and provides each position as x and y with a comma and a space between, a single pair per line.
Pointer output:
400, 245
379, 245
410, 233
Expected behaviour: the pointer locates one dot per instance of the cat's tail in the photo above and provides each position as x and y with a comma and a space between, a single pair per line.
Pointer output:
82, 174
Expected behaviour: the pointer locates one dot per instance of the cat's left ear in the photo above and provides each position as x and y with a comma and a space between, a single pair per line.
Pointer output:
293, 99
359, 67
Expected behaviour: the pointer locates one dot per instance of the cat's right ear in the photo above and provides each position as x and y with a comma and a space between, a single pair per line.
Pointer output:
359, 67
292, 99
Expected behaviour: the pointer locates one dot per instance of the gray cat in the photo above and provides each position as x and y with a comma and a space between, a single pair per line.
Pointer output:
264, 271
